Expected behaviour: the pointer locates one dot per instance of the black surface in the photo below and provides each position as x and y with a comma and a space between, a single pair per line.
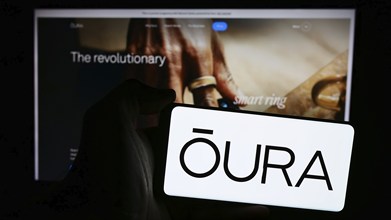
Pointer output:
368, 189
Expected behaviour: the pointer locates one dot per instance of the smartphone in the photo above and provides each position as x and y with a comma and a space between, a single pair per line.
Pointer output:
231, 155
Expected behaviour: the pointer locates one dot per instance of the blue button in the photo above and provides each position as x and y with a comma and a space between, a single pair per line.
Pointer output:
219, 26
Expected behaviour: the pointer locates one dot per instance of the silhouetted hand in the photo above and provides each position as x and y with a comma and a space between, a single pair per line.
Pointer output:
113, 176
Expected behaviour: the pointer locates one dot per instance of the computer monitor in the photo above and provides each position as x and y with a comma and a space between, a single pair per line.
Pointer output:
285, 61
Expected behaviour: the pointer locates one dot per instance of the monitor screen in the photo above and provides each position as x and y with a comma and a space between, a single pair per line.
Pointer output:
284, 61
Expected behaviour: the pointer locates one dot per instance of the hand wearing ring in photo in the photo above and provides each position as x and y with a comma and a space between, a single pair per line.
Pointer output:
193, 59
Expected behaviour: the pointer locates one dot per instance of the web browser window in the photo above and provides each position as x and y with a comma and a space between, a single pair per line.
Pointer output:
294, 62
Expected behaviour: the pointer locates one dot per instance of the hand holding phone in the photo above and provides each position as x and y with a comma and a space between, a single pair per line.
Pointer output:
257, 158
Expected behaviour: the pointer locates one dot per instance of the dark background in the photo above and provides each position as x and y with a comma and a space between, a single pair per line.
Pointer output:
368, 188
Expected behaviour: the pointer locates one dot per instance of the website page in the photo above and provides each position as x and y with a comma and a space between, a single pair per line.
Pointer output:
288, 62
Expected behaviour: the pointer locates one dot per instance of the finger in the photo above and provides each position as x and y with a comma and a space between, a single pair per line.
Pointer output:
226, 85
135, 45
151, 37
143, 42
198, 62
173, 44
205, 96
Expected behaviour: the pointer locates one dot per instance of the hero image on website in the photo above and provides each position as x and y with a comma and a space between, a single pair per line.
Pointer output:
288, 62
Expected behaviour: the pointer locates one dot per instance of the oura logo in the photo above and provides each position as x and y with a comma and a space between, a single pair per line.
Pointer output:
259, 159
317, 156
